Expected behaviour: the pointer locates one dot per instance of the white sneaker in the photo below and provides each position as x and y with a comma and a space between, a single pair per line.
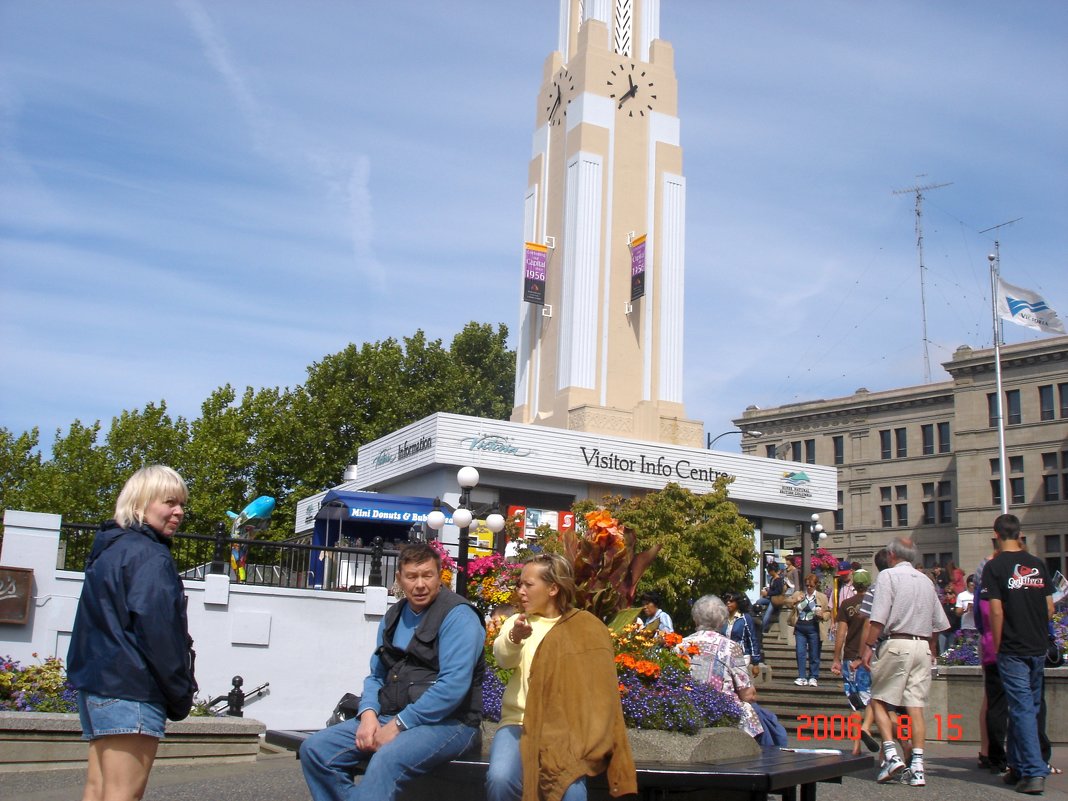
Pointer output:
913, 777
890, 769
800, 682
813, 683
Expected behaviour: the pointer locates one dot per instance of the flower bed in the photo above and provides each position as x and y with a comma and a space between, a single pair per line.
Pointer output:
35, 688
655, 687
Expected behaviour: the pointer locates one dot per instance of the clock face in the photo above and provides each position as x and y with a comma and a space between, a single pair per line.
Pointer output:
559, 96
632, 89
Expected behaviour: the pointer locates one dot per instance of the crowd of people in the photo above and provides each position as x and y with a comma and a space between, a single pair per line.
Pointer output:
132, 663
890, 631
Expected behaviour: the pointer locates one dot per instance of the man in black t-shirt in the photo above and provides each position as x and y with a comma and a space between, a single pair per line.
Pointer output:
1021, 605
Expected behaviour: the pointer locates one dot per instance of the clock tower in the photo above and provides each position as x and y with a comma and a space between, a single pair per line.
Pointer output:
600, 339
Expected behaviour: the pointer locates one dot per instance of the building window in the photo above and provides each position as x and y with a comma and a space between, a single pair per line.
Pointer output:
886, 509
1016, 486
928, 504
1053, 480
901, 494
1045, 402
995, 491
1062, 390
795, 451
839, 514
839, 449
902, 443
1016, 464
943, 438
927, 438
884, 444
810, 451
1051, 488
1055, 553
945, 501
1012, 407
769, 451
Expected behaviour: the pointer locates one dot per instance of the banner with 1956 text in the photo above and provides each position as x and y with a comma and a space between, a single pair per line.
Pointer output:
534, 259
637, 268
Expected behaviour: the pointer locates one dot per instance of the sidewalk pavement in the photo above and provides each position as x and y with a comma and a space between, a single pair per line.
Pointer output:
275, 776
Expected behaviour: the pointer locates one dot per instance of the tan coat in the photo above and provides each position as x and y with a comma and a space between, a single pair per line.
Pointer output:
573, 721
824, 616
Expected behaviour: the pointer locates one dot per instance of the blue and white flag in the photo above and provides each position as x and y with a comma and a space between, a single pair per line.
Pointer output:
1026, 308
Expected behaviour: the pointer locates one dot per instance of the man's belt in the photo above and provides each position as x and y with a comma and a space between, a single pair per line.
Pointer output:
908, 637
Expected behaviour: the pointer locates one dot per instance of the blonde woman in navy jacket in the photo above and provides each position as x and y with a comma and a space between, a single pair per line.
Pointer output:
130, 656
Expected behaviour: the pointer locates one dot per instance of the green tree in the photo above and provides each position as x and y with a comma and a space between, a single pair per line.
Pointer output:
360, 394
19, 464
140, 438
707, 544
487, 378
219, 458
279, 442
78, 481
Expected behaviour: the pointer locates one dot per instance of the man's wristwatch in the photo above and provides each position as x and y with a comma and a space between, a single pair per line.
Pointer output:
400, 724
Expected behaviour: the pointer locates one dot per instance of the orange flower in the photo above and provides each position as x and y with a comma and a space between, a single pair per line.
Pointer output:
671, 639
647, 668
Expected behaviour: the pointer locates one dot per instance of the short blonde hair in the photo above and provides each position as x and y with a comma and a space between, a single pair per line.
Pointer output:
155, 482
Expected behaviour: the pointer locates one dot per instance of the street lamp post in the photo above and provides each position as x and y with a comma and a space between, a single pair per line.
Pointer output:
462, 516
816, 533
710, 440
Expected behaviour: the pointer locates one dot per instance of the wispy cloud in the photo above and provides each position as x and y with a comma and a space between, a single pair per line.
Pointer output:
353, 170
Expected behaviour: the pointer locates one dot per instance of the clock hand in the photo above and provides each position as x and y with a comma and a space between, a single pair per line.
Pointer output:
628, 94
556, 105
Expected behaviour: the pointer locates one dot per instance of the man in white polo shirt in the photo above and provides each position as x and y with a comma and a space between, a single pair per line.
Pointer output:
907, 610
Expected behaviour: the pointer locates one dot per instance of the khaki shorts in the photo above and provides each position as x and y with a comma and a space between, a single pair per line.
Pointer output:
901, 675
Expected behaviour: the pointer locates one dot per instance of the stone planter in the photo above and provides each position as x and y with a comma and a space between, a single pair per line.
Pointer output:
46, 740
708, 745
957, 695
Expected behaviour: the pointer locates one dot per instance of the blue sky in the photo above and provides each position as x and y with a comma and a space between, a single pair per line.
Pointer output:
196, 193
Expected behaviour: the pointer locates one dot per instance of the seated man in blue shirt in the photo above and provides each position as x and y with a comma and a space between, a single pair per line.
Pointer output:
421, 703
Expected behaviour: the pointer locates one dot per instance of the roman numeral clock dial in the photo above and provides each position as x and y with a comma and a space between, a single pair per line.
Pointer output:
632, 90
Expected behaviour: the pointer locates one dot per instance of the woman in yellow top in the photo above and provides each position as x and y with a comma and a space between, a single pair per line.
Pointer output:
564, 665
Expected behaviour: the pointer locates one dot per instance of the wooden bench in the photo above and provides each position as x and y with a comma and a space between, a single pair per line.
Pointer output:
792, 774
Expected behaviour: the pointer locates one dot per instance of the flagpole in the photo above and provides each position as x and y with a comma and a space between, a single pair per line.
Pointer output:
1003, 467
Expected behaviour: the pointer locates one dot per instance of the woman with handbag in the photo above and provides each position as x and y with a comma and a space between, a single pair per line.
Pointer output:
810, 612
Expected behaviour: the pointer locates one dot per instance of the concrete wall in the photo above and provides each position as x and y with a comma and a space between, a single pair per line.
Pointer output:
312, 646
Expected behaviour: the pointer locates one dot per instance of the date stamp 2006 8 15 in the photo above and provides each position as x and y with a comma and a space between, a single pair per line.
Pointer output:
843, 727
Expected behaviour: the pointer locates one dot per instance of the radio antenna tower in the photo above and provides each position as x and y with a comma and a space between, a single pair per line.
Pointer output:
918, 191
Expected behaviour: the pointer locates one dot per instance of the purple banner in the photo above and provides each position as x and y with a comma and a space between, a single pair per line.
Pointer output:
534, 260
637, 268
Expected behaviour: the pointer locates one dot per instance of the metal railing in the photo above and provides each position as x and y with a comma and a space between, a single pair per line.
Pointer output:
291, 563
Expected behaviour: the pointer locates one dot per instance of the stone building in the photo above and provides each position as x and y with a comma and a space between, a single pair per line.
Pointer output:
923, 461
